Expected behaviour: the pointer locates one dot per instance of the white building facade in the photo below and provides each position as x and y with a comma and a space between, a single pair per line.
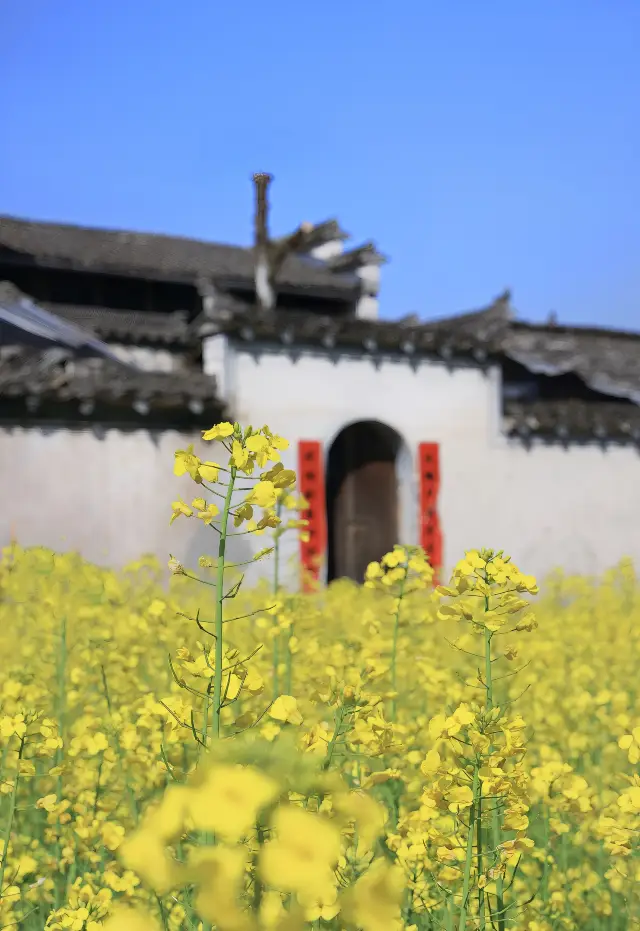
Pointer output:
472, 431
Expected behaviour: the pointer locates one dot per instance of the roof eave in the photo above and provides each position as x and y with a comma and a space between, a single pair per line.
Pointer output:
344, 291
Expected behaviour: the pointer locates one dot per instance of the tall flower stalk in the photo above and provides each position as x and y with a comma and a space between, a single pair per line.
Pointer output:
400, 573
219, 610
486, 783
247, 450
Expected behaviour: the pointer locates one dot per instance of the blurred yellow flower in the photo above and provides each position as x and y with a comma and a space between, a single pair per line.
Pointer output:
303, 854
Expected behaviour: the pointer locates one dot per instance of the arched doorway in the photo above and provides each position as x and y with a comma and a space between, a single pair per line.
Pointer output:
362, 498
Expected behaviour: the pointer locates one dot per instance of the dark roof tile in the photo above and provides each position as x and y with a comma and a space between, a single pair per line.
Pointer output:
478, 332
128, 325
24, 321
608, 361
155, 255
58, 375
574, 418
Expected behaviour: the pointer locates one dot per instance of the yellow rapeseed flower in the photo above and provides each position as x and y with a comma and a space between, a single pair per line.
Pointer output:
218, 432
285, 709
125, 918
228, 800
218, 873
373, 903
631, 743
303, 854
186, 462
180, 508
263, 494
144, 852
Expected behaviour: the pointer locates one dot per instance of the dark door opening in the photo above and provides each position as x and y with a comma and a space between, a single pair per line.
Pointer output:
362, 498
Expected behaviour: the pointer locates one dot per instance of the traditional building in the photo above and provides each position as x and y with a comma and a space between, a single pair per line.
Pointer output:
118, 348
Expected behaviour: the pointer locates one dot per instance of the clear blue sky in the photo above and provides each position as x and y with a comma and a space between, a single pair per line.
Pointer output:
481, 143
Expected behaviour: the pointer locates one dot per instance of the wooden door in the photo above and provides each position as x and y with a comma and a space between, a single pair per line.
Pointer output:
365, 508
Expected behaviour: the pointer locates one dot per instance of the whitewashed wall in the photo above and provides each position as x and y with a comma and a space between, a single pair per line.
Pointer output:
576, 508
107, 495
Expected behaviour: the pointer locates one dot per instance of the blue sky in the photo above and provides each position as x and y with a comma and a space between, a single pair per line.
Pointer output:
480, 144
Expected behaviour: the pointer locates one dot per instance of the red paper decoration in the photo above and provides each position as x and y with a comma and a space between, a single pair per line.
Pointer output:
429, 483
311, 486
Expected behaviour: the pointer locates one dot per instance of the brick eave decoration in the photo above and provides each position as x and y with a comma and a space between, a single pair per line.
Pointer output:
296, 328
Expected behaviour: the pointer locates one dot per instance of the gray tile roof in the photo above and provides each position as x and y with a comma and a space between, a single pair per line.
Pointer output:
157, 256
467, 333
128, 326
608, 361
59, 375
24, 321
46, 358
573, 418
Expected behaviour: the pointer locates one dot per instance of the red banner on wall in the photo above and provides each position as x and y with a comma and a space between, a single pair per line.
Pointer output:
429, 484
311, 486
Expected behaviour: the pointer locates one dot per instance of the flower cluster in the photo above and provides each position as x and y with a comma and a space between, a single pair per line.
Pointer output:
359, 758
277, 852
247, 450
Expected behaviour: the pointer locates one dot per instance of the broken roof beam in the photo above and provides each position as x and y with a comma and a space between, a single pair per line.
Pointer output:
365, 262
353, 259
270, 254
324, 241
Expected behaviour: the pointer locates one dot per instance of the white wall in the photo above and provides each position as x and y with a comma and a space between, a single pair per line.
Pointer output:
107, 496
110, 496
548, 506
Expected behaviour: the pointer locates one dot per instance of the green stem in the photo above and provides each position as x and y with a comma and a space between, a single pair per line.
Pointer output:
62, 692
275, 660
61, 715
289, 664
218, 635
122, 763
276, 589
496, 827
546, 868
488, 667
394, 650
9, 825
276, 552
450, 913
339, 718
96, 798
466, 882
219, 653
257, 882
479, 861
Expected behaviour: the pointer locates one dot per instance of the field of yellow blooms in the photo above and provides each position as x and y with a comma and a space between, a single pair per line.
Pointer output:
383, 757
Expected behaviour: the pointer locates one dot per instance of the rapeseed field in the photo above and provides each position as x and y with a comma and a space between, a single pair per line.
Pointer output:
392, 756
